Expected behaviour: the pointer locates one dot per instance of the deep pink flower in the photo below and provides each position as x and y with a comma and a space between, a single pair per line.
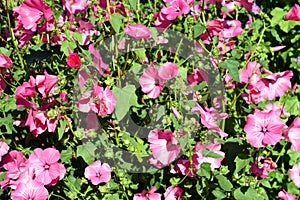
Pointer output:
31, 190
46, 83
173, 193
183, 167
249, 5
27, 89
37, 122
263, 127
138, 31
248, 71
47, 170
286, 196
147, 195
263, 166
152, 84
3, 149
5, 62
292, 134
232, 28
208, 118
164, 147
200, 157
295, 174
215, 26
198, 76
176, 8
104, 100
294, 13
98, 173
73, 61
161, 22
75, 6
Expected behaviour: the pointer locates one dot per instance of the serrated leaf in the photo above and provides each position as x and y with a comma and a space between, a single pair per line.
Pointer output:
8, 123
233, 68
87, 152
66, 155
116, 21
224, 183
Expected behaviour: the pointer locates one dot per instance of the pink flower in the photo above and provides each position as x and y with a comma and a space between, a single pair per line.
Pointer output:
286, 196
168, 71
173, 193
150, 195
198, 76
104, 100
27, 89
164, 147
75, 6
175, 112
47, 170
138, 31
182, 167
232, 28
98, 173
264, 166
97, 60
294, 13
37, 122
248, 71
295, 174
215, 26
263, 127
73, 61
152, 84
176, 8
201, 156
46, 83
208, 118
161, 22
30, 190
292, 134
5, 62
3, 149
277, 48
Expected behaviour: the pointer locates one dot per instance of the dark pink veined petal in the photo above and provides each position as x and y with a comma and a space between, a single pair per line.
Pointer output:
294, 13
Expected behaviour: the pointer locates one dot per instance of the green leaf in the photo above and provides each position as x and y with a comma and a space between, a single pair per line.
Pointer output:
238, 194
5, 51
77, 36
116, 21
66, 155
125, 99
133, 4
277, 14
219, 194
241, 164
211, 154
61, 128
87, 152
292, 105
8, 123
204, 170
275, 34
198, 30
233, 68
294, 157
67, 44
286, 26
141, 53
224, 183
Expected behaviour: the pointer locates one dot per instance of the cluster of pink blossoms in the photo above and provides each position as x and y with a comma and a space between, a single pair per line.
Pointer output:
29, 177
172, 193
39, 118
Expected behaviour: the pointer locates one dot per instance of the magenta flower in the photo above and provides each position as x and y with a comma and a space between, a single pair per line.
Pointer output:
176, 8
295, 174
104, 100
292, 134
173, 193
201, 157
263, 127
147, 195
294, 13
161, 22
208, 118
75, 6
46, 167
263, 166
27, 89
152, 84
286, 196
3, 149
73, 61
164, 147
46, 83
168, 71
138, 31
37, 122
5, 62
232, 28
31, 190
250, 69
182, 167
98, 173
198, 76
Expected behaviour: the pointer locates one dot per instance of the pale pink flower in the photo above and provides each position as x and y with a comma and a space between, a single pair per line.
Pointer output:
138, 31
173, 193
168, 71
47, 169
176, 8
263, 127
5, 62
209, 117
292, 134
286, 196
147, 195
98, 173
201, 157
104, 100
3, 149
152, 84
278, 109
164, 147
175, 112
294, 13
46, 83
85, 102
30, 190
277, 48
295, 174
75, 6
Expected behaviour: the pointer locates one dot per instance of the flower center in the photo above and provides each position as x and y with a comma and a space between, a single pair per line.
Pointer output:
264, 130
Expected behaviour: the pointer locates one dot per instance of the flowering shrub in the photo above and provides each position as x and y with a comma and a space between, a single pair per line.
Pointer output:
170, 99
